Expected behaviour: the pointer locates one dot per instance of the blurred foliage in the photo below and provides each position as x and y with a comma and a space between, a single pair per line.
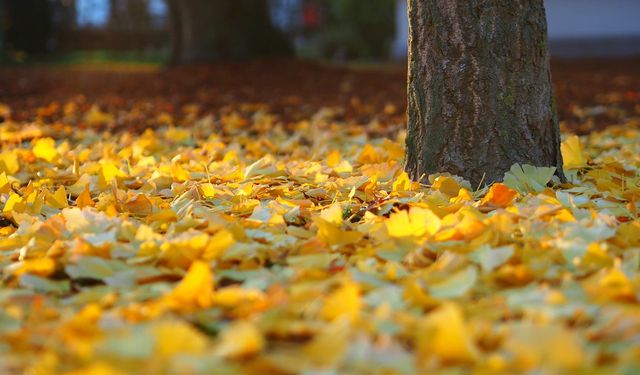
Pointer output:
354, 30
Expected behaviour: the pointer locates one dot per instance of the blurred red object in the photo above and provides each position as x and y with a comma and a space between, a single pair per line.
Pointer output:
311, 16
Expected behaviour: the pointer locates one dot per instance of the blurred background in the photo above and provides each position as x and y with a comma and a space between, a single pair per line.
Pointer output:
337, 30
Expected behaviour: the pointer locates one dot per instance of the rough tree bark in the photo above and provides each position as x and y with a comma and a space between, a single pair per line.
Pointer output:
209, 30
479, 90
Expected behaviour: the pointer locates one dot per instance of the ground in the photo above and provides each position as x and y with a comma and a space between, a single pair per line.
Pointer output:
254, 218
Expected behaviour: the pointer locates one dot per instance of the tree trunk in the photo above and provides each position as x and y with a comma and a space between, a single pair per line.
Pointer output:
209, 30
2, 27
175, 18
480, 94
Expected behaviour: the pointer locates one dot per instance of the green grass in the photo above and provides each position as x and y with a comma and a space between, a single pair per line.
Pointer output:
88, 57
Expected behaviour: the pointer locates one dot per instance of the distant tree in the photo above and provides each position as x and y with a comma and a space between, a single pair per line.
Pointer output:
370, 26
480, 95
130, 15
351, 29
206, 30
3, 22
27, 26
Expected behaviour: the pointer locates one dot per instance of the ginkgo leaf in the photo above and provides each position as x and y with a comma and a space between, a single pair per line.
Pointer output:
329, 346
344, 302
417, 222
402, 183
446, 185
239, 340
5, 184
333, 158
195, 290
330, 228
573, 153
208, 191
57, 199
546, 346
218, 244
13, 202
444, 334
139, 204
527, 178
175, 337
9, 163
84, 199
499, 195
45, 148
491, 258
109, 172
455, 285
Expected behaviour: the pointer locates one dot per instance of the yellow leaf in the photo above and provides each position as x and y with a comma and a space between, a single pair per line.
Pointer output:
404, 183
332, 235
45, 148
57, 199
333, 214
95, 117
333, 158
471, 224
329, 346
14, 202
84, 199
549, 347
343, 167
5, 184
99, 368
175, 337
184, 249
195, 291
218, 244
240, 339
573, 153
369, 155
444, 334
330, 228
208, 191
179, 174
417, 222
235, 297
139, 204
463, 196
446, 185
9, 163
344, 302
108, 173
39, 266
499, 195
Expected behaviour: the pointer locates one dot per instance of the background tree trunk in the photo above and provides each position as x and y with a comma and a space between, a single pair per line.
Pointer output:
480, 94
222, 29
2, 27
29, 25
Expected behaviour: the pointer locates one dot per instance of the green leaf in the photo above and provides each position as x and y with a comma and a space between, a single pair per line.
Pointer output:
527, 178
40, 284
94, 268
456, 285
491, 258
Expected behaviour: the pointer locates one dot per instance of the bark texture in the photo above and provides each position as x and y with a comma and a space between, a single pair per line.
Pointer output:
479, 90
209, 30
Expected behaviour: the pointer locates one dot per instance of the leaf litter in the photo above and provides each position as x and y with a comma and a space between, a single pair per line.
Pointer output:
241, 244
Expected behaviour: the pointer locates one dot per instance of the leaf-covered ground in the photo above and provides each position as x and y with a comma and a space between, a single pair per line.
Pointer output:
241, 240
